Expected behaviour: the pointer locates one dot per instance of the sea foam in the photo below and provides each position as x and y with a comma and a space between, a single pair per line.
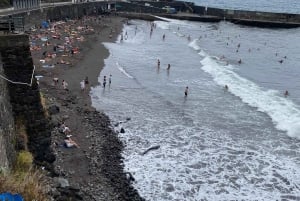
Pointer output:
284, 113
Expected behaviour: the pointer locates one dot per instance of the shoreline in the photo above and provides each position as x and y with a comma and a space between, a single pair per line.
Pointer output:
94, 171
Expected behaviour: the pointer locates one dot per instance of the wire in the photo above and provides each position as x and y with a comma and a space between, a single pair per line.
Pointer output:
24, 83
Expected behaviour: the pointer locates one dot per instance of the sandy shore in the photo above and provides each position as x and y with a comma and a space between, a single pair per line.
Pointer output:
94, 171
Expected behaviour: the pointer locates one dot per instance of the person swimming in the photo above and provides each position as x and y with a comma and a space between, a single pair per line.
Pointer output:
286, 93
186, 91
226, 87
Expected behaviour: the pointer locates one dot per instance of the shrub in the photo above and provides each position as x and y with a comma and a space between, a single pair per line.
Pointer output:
23, 162
24, 179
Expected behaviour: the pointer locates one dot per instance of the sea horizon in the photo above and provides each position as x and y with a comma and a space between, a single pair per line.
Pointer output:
276, 6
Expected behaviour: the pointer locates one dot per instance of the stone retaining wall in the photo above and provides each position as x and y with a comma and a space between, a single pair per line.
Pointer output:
7, 132
25, 99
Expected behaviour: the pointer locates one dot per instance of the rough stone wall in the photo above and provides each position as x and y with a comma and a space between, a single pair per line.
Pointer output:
7, 133
25, 99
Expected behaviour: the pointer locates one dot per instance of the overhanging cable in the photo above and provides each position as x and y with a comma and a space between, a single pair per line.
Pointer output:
24, 83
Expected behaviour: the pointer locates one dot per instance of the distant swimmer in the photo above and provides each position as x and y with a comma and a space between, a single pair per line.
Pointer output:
164, 37
240, 61
186, 91
169, 66
189, 38
286, 93
280, 61
158, 63
226, 87
109, 80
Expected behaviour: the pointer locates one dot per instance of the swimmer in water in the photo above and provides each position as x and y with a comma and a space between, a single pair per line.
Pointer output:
186, 91
286, 93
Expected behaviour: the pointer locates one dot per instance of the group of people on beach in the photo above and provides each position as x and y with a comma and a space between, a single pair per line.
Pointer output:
68, 141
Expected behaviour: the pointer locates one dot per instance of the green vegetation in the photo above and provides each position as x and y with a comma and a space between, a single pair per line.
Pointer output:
24, 179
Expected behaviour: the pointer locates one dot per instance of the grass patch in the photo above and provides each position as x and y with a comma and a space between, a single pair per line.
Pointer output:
24, 179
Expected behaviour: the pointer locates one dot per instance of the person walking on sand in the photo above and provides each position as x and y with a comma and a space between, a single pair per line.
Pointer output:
82, 85
64, 85
186, 91
86, 80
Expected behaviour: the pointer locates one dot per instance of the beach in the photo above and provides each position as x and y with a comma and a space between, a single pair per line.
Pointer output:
94, 170
213, 144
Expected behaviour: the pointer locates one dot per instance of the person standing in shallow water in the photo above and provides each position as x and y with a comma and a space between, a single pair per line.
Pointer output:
286, 93
186, 91
169, 66
109, 80
104, 81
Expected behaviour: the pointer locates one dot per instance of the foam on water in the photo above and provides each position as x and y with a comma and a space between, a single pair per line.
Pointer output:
284, 113
123, 71
194, 45
200, 156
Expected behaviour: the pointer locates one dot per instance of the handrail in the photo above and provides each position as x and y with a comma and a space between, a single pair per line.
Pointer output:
24, 83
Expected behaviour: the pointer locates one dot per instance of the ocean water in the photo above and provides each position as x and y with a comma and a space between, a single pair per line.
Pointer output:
240, 144
277, 6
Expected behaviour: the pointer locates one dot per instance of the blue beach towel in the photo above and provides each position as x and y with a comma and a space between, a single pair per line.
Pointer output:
10, 197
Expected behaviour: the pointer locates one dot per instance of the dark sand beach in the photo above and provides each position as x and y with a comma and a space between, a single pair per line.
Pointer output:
94, 171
